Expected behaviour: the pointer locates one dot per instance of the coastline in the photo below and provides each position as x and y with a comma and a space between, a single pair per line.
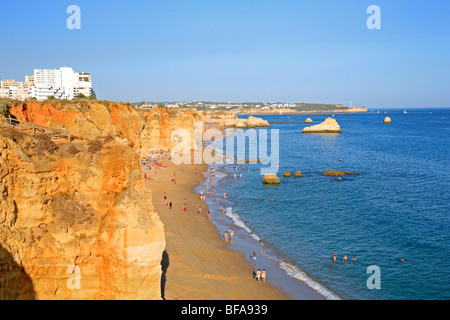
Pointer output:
197, 262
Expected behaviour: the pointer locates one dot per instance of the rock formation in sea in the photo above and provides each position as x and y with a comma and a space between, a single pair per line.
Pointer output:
330, 125
298, 174
387, 120
250, 122
336, 173
309, 120
286, 174
271, 179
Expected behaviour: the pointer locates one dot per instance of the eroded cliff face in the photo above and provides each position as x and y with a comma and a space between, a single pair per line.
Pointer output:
66, 210
75, 219
142, 130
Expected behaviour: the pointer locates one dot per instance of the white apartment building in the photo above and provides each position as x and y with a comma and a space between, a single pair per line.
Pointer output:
13, 89
62, 83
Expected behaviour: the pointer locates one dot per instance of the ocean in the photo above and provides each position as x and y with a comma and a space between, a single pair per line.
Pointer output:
397, 207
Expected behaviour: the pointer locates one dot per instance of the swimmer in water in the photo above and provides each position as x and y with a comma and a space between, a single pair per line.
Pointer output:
345, 259
354, 259
334, 258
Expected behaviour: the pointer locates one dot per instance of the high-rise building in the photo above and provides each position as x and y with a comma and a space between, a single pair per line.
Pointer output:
61, 83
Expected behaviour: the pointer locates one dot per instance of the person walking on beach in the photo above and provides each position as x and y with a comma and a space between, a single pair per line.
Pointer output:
201, 195
263, 275
231, 232
208, 215
170, 205
174, 179
254, 259
200, 210
225, 235
258, 275
165, 199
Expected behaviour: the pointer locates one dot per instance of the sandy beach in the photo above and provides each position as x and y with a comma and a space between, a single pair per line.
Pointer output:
197, 263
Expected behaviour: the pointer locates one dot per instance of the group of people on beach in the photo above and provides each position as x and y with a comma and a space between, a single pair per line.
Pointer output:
260, 275
209, 175
153, 162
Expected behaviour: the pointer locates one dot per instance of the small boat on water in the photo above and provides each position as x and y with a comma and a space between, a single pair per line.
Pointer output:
404, 111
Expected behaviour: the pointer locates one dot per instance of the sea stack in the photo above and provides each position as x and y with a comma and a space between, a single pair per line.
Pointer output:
308, 120
387, 120
298, 174
330, 125
286, 174
271, 178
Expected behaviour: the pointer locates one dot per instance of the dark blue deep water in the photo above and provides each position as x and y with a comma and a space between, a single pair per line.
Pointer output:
397, 207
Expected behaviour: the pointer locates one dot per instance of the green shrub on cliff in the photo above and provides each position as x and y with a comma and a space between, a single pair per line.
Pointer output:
5, 107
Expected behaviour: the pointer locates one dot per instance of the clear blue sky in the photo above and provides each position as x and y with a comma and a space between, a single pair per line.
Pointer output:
239, 50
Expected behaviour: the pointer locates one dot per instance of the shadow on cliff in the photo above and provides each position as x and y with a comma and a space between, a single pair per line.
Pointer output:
15, 284
164, 266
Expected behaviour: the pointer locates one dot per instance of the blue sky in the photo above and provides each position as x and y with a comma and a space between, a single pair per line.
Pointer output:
239, 50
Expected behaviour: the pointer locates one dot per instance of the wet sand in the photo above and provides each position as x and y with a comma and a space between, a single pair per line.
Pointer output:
197, 264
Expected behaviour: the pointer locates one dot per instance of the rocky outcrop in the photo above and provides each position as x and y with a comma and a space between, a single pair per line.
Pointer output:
336, 173
298, 174
79, 223
308, 120
144, 130
387, 120
250, 122
330, 125
286, 174
271, 179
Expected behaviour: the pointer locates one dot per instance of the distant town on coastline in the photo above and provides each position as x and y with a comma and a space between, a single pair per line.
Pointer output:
66, 84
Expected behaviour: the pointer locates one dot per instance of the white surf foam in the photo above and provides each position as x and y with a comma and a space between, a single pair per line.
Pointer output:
294, 272
239, 222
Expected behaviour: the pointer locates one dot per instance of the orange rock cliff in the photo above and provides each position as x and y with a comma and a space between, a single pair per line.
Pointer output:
75, 219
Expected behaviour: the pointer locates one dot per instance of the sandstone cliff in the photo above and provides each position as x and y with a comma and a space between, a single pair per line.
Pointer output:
81, 206
75, 220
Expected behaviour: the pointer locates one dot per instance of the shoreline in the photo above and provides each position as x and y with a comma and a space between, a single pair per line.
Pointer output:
284, 273
197, 263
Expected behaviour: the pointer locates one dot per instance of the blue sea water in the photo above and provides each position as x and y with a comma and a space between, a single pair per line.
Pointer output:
397, 207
